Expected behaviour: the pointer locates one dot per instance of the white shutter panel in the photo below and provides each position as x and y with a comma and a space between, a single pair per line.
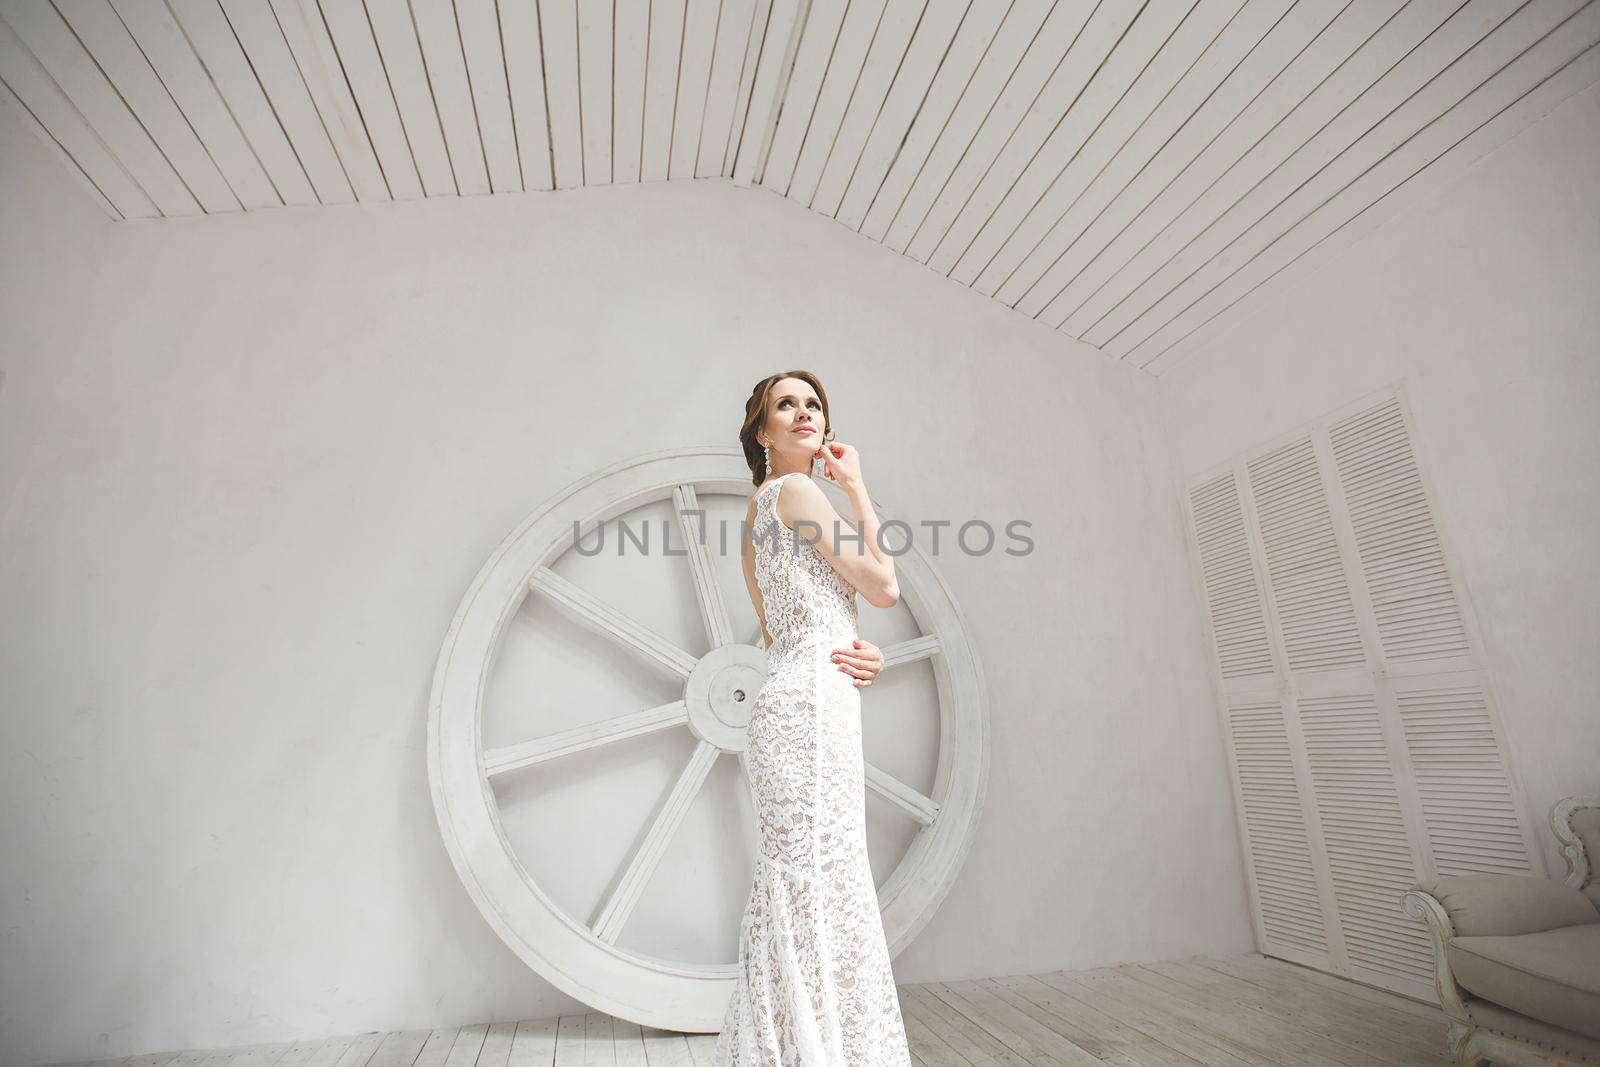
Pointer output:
1283, 882
1464, 789
1309, 590
1368, 851
1232, 596
1364, 743
1412, 598
1357, 806
1462, 780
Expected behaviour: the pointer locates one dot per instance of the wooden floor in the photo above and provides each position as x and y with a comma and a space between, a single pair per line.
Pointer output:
1232, 1011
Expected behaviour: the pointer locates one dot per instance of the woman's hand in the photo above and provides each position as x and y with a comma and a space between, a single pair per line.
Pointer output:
862, 661
841, 462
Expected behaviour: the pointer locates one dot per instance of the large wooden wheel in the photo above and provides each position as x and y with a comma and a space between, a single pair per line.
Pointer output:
583, 958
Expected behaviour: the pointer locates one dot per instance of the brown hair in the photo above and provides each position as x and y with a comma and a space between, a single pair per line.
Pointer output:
755, 417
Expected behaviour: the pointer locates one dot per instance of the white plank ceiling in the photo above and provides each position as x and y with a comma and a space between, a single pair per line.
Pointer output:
1123, 171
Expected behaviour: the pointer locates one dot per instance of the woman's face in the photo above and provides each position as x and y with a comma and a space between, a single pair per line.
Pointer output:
795, 423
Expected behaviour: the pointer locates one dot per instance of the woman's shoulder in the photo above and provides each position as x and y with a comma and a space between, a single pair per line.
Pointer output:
799, 497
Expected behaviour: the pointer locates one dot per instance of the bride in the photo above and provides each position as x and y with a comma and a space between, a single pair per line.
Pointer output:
814, 984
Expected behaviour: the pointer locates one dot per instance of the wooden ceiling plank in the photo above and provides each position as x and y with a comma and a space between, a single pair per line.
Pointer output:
483, 49
632, 59
661, 87
348, 34
694, 74
816, 47
1366, 39
734, 61
322, 70
59, 53
1141, 207
100, 30
934, 38
1498, 69
1141, 68
781, 21
1266, 276
1185, 117
256, 28
772, 70
406, 75
884, 63
209, 36
595, 42
39, 104
13, 104
524, 65
1071, 46
452, 94
346, 31
994, 75
1327, 124
861, 21
558, 21
979, 29
1076, 155
163, 46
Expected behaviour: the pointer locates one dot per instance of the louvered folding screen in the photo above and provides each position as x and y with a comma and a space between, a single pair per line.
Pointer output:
1362, 735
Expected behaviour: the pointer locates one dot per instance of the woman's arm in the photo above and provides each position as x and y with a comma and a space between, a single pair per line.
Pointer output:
853, 551
861, 659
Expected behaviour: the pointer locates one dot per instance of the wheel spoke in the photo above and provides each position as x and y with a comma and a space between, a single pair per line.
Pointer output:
526, 753
916, 648
706, 590
629, 888
924, 809
604, 619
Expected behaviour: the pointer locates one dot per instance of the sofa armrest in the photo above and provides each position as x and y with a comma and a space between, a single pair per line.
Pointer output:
1505, 904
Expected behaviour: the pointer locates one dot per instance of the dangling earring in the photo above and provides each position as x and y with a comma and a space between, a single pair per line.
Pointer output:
766, 458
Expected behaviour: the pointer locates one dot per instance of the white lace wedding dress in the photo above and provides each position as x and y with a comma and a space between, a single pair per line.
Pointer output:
815, 986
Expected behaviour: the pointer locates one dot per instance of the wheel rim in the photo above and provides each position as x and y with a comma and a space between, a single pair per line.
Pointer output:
584, 960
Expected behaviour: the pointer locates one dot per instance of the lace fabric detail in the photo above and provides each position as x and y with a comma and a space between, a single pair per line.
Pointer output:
804, 598
815, 986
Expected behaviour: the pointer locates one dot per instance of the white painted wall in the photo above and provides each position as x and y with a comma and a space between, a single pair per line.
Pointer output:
1483, 301
248, 466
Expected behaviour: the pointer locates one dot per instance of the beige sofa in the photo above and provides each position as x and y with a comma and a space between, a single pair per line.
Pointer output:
1518, 957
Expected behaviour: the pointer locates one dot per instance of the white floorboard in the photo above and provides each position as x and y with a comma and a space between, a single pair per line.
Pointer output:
1214, 1011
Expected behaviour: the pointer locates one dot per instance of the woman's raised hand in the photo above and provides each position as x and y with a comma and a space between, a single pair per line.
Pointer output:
841, 462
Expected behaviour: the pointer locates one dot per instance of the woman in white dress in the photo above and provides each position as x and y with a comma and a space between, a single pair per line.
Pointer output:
815, 986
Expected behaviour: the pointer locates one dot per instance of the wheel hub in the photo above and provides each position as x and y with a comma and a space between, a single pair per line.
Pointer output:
721, 694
